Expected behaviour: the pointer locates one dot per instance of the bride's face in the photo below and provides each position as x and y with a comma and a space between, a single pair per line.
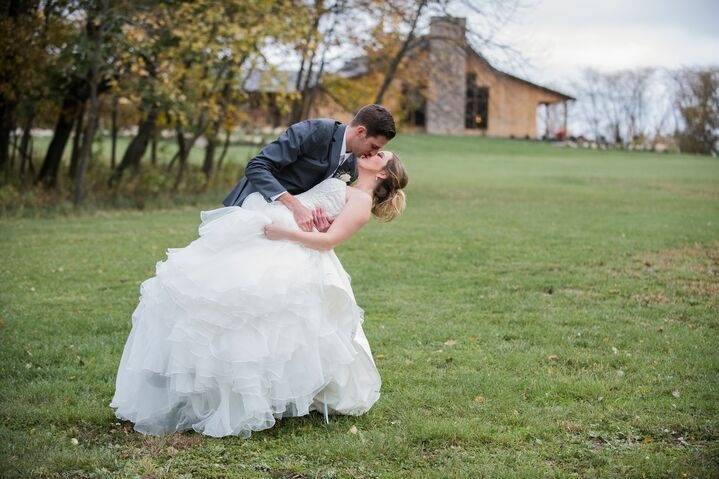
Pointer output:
374, 164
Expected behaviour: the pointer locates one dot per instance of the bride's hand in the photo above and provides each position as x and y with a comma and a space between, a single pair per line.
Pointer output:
274, 231
321, 220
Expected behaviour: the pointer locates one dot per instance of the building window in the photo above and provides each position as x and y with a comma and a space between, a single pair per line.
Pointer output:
414, 105
477, 108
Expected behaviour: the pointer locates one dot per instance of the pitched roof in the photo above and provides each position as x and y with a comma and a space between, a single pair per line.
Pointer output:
359, 66
481, 58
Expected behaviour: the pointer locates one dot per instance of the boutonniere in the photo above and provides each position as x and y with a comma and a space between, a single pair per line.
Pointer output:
344, 175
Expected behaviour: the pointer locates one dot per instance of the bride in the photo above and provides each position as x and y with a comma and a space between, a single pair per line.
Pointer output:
256, 320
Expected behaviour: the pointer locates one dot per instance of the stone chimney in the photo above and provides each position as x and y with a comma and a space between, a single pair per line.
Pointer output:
446, 87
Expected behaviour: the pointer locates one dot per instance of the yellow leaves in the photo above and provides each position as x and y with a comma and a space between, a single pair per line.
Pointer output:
479, 399
450, 342
553, 357
138, 69
134, 34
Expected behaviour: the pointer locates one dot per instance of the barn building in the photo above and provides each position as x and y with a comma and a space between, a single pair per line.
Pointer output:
460, 92
452, 90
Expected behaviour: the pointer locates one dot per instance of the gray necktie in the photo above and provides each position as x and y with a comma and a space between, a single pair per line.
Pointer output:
345, 159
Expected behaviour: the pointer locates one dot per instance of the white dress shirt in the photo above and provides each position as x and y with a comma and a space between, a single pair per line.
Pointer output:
343, 156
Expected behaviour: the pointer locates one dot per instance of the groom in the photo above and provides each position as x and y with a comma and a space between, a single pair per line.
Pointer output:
309, 152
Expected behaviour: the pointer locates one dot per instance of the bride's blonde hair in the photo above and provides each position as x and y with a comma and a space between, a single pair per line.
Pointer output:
389, 200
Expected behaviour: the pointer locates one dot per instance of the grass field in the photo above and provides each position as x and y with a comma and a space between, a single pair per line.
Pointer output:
537, 312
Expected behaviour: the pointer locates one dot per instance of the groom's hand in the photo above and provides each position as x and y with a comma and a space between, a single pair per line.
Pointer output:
303, 216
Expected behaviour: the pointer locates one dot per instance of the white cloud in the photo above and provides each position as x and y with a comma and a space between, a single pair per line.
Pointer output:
560, 37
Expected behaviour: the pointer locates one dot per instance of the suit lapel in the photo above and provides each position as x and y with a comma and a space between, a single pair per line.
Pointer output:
335, 150
353, 168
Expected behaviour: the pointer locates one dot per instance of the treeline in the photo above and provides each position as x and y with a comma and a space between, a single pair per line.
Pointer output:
643, 107
90, 69
77, 67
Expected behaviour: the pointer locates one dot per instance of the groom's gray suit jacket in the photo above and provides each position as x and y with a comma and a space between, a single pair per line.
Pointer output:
304, 155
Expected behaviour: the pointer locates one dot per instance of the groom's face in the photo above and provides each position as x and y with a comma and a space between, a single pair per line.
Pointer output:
365, 145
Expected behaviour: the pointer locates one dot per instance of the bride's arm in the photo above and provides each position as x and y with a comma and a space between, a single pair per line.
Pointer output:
354, 215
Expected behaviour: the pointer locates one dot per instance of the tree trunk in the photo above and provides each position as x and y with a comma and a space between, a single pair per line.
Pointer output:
225, 147
94, 33
63, 128
13, 152
137, 147
76, 140
113, 134
208, 163
30, 161
180, 135
86, 149
7, 124
181, 156
153, 150
401, 53
187, 149
25, 143
11, 11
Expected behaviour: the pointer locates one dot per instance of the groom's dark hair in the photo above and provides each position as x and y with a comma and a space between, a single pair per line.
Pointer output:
377, 119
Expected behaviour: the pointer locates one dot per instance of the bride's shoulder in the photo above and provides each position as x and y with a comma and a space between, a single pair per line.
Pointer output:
358, 196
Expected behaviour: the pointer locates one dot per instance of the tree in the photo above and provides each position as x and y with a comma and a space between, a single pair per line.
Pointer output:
319, 29
401, 20
697, 99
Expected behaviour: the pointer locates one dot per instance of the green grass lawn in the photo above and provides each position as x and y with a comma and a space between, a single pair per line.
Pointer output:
537, 312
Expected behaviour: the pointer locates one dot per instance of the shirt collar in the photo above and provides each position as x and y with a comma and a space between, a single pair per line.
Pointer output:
343, 149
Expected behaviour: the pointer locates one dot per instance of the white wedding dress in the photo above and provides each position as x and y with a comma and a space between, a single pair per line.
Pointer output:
236, 330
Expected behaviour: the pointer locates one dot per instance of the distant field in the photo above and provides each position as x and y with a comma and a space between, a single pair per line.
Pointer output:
537, 312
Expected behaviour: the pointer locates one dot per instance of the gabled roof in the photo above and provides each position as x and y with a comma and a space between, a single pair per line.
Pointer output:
474, 53
358, 66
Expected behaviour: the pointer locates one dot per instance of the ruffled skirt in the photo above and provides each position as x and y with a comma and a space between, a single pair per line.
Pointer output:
235, 331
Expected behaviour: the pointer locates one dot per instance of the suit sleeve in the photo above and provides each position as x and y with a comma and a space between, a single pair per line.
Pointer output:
286, 149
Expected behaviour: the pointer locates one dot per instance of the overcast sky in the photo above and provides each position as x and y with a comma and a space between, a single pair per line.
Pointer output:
560, 37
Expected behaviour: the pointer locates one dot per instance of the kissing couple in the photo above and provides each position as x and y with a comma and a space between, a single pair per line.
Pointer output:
256, 320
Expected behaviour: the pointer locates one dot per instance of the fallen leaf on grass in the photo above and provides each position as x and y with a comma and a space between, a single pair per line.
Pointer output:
353, 430
479, 399
450, 342
552, 357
